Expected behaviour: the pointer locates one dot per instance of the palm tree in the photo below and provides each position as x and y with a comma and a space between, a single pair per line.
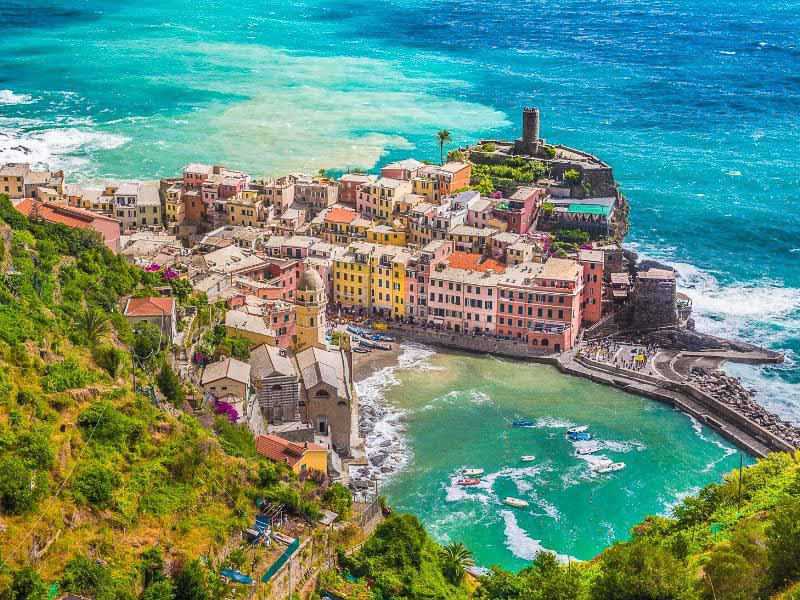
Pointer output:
455, 560
444, 137
93, 325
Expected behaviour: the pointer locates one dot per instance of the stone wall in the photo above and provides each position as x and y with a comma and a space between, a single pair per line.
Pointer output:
470, 343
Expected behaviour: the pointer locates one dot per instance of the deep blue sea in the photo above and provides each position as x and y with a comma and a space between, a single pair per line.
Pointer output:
696, 104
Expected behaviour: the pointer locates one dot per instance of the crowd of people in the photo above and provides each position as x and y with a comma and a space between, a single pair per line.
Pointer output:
635, 358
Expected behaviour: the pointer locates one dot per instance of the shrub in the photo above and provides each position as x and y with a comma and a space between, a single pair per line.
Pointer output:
338, 499
110, 359
572, 177
783, 544
20, 487
95, 484
170, 385
66, 375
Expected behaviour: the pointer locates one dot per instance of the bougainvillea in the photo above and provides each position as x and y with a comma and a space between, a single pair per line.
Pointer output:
226, 408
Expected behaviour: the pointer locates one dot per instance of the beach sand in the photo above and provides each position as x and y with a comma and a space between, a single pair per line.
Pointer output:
370, 363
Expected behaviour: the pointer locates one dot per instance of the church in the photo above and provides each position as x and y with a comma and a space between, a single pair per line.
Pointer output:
306, 394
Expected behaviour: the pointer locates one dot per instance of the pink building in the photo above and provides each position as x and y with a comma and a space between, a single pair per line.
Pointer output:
417, 277
350, 184
541, 304
592, 294
479, 213
519, 212
463, 301
231, 186
404, 170
195, 174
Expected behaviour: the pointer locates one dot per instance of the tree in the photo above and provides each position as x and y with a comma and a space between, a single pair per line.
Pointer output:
500, 584
181, 288
456, 156
639, 570
338, 499
27, 585
572, 177
456, 559
92, 325
170, 384
190, 583
151, 564
147, 341
783, 544
444, 137
161, 590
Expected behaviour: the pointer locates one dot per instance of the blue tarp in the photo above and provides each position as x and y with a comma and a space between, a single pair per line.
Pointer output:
292, 548
236, 576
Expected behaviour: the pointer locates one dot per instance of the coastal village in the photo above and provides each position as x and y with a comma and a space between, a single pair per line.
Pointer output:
275, 295
506, 247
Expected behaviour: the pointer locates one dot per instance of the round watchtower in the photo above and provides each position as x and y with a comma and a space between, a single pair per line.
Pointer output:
530, 126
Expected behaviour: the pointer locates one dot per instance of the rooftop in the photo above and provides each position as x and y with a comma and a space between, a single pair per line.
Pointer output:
474, 262
151, 306
280, 450
229, 368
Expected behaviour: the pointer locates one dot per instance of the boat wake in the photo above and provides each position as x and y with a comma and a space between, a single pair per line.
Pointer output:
521, 544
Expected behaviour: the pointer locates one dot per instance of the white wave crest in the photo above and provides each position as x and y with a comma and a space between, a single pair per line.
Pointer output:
553, 423
9, 97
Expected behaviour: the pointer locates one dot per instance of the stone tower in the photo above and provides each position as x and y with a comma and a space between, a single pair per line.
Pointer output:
530, 141
310, 304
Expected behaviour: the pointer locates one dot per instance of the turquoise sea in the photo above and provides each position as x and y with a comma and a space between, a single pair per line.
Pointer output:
694, 102
453, 411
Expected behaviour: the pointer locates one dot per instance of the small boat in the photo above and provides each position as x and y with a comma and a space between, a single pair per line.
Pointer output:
471, 472
356, 330
579, 437
578, 429
587, 449
515, 502
360, 350
375, 345
470, 481
528, 458
523, 423
378, 337
610, 468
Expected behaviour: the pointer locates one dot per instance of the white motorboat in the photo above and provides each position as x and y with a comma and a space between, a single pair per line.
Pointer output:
515, 502
528, 458
471, 472
587, 449
578, 429
610, 468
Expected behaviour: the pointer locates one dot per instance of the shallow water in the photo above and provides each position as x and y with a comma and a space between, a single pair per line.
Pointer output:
454, 411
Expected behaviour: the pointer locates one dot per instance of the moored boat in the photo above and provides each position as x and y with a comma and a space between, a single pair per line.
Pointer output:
471, 472
578, 429
528, 458
610, 468
579, 437
522, 423
515, 502
470, 481
360, 350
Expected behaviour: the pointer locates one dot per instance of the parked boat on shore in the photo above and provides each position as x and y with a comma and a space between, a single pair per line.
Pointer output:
515, 502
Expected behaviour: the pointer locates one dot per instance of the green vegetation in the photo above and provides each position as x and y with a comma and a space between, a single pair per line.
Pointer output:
514, 171
456, 156
99, 487
572, 177
217, 344
443, 138
566, 240
720, 545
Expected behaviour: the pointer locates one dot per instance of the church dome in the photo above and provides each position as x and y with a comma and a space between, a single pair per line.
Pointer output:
310, 281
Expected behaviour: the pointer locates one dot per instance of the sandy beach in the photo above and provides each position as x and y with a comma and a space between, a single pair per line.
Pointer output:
365, 365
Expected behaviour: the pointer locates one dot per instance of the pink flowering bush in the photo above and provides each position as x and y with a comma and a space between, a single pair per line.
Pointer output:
153, 268
226, 408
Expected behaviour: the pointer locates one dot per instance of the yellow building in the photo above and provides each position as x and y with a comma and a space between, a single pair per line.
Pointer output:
310, 304
301, 457
384, 234
243, 210
399, 263
174, 205
352, 276
379, 199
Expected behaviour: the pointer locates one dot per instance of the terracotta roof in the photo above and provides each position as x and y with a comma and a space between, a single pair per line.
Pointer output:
341, 215
280, 450
59, 213
148, 307
474, 262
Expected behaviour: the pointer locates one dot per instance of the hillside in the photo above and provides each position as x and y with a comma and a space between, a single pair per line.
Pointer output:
101, 490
